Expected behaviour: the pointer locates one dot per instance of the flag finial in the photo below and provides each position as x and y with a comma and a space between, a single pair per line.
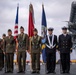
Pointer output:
18, 4
42, 5
31, 7
30, 3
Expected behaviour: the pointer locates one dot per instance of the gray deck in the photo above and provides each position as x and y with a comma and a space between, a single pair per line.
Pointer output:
42, 72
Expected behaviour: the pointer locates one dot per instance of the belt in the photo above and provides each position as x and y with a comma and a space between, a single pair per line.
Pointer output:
51, 47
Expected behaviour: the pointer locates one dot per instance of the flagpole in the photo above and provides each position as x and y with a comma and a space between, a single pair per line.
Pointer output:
31, 26
30, 56
17, 45
16, 34
42, 5
44, 63
44, 35
30, 41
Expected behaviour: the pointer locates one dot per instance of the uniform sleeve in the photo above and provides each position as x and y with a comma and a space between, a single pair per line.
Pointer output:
40, 43
27, 42
14, 44
46, 42
17, 42
56, 43
71, 43
4, 46
59, 43
1, 44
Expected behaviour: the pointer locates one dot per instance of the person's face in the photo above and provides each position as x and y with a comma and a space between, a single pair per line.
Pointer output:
64, 31
3, 37
35, 32
22, 30
50, 32
10, 33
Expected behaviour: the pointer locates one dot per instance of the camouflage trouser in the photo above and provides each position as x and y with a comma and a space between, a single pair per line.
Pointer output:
22, 61
1, 60
9, 61
35, 57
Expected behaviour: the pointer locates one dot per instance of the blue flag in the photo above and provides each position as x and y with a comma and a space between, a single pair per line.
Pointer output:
43, 33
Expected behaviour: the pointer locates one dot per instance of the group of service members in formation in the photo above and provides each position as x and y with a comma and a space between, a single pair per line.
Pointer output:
8, 46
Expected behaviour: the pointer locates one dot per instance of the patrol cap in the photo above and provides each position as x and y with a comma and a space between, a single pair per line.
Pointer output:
21, 27
4, 34
35, 30
9, 30
64, 28
50, 29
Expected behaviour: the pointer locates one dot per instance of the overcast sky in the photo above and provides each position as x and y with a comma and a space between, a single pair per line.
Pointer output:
57, 11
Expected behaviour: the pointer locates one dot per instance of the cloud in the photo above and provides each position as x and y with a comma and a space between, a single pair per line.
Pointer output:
56, 12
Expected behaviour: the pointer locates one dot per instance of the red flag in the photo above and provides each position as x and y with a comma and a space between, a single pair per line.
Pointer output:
31, 21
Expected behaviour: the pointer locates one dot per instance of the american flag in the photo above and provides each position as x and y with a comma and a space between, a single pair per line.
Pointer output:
16, 24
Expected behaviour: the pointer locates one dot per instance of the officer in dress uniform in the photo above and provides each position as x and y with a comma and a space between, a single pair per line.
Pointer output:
9, 49
35, 51
51, 43
65, 48
23, 43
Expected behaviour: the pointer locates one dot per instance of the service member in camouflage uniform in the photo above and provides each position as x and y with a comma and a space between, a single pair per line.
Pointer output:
1, 55
35, 52
22, 47
9, 49
3, 39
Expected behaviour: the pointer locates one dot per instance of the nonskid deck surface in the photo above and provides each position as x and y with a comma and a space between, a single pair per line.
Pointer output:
42, 71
